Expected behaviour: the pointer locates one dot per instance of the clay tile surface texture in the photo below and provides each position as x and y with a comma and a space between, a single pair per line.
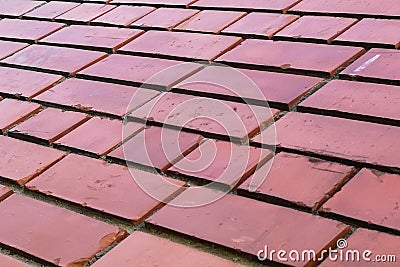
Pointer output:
204, 133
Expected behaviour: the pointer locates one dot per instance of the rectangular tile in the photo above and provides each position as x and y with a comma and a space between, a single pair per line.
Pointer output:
18, 7
51, 10
358, 141
7, 48
184, 3
85, 12
54, 234
123, 15
9, 261
14, 111
5, 192
182, 45
264, 5
316, 58
58, 59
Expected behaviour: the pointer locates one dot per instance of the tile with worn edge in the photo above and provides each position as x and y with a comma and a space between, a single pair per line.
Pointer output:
14, 111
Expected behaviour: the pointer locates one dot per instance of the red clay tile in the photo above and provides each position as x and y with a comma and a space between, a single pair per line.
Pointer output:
8, 48
124, 15
367, 99
316, 28
24, 82
59, 59
221, 162
29, 30
380, 244
373, 31
212, 21
282, 5
350, 7
13, 112
319, 58
207, 115
354, 140
376, 201
139, 250
248, 225
182, 44
21, 161
5, 192
54, 234
302, 180
50, 124
17, 7
165, 18
376, 64
254, 86
86, 12
80, 36
157, 147
261, 24
101, 186
8, 261
98, 136
137, 70
51, 10
97, 96
184, 3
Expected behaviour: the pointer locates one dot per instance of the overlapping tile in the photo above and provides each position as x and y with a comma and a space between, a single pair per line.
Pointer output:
316, 58
123, 15
186, 45
51, 10
8, 48
85, 13
264, 5
14, 111
21, 161
4, 193
42, 230
184, 3
359, 141
27, 30
57, 59
17, 8
376, 201
97, 96
8, 261
101, 186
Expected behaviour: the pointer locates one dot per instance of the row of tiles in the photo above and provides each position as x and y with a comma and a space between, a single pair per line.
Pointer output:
388, 8
374, 32
317, 59
103, 187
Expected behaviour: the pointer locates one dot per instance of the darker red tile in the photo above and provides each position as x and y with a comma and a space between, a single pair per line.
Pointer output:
51, 10
139, 250
54, 234
59, 59
5, 192
316, 28
124, 15
373, 31
97, 96
165, 18
157, 147
29, 30
18, 7
50, 124
184, 3
81, 36
282, 5
253, 86
236, 120
221, 162
8, 48
353, 140
24, 82
21, 161
376, 64
171, 44
212, 21
98, 136
302, 180
8, 261
376, 201
350, 7
319, 58
14, 111
261, 24
105, 187
86, 12
367, 99
137, 70
248, 225
379, 244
